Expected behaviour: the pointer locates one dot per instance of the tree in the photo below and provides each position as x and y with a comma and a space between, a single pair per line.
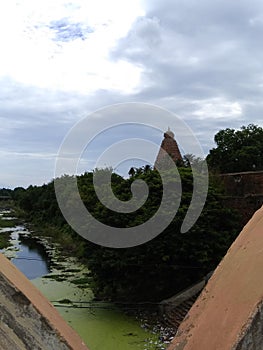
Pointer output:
237, 150
131, 172
170, 262
154, 270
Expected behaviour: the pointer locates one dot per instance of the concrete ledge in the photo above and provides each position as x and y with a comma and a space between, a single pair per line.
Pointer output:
27, 319
228, 313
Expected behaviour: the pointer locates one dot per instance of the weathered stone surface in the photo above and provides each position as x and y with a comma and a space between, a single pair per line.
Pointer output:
27, 319
252, 337
228, 313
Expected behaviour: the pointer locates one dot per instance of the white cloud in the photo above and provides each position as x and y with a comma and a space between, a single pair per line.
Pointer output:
217, 108
61, 60
34, 52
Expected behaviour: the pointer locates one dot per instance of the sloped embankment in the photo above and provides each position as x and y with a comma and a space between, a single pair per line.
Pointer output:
28, 320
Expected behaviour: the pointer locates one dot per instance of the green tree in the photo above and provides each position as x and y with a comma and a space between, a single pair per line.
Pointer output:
237, 150
151, 271
171, 261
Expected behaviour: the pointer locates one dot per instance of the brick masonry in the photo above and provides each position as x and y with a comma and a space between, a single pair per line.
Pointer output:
244, 192
169, 146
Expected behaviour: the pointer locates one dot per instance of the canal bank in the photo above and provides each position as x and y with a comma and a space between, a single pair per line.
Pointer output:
66, 283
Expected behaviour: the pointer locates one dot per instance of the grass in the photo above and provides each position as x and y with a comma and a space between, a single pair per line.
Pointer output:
5, 236
83, 280
4, 222
4, 240
58, 278
7, 223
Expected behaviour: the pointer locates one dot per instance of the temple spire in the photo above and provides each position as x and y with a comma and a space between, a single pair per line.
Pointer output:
169, 145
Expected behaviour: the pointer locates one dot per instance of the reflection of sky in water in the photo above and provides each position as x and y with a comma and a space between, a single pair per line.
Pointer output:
27, 255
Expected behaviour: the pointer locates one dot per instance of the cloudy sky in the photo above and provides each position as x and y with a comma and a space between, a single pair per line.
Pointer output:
60, 61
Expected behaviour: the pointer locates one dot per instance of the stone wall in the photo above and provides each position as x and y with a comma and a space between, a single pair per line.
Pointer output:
243, 184
27, 319
228, 314
251, 338
244, 192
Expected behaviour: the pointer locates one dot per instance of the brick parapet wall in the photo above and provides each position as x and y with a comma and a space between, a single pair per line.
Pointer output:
243, 184
244, 192
228, 315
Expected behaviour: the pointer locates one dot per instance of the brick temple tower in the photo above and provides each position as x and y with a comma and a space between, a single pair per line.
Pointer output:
169, 145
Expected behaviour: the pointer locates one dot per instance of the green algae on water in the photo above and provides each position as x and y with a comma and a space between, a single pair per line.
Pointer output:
101, 325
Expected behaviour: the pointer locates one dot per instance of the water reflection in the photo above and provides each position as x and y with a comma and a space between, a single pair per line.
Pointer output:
26, 253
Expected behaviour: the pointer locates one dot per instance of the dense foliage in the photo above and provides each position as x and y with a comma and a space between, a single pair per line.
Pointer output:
151, 271
237, 150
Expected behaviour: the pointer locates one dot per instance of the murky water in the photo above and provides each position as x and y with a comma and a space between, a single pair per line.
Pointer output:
102, 326
26, 253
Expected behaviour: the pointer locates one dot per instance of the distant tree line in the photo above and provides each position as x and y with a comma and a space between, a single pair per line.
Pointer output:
171, 261
151, 271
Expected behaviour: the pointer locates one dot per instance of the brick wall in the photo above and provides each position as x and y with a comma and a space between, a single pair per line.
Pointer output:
244, 192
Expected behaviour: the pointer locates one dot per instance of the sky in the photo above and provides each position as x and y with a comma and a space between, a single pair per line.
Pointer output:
61, 61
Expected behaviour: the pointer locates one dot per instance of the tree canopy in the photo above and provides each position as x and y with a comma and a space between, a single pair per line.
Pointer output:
237, 150
154, 270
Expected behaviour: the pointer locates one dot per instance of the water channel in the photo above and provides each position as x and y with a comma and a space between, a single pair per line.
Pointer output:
65, 282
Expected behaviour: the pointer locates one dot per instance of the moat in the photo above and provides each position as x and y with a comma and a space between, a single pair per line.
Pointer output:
66, 283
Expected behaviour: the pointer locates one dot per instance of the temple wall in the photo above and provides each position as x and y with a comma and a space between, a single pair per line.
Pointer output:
243, 184
244, 192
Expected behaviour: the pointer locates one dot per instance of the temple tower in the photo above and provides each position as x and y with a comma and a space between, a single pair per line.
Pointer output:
169, 145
